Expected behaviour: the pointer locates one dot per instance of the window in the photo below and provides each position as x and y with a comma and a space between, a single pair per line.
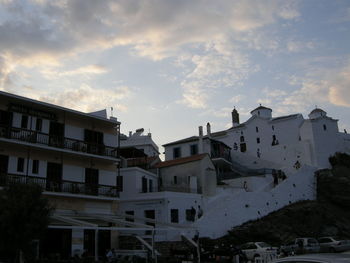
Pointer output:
174, 215
150, 185
24, 122
257, 129
177, 152
324, 127
144, 185
129, 213
242, 138
243, 147
20, 164
194, 149
175, 179
257, 140
35, 167
120, 183
38, 124
273, 127
235, 146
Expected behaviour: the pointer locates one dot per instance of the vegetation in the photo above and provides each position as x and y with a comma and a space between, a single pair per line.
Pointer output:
328, 216
24, 217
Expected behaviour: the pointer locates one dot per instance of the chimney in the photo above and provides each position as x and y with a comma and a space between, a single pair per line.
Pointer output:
200, 144
235, 117
130, 133
208, 130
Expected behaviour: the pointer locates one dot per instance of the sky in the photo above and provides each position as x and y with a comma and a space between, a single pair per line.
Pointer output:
169, 66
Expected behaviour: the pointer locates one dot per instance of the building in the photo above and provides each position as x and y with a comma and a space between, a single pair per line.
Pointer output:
74, 157
263, 141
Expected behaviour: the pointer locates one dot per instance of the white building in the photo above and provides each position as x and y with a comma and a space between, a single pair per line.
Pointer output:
140, 141
74, 157
264, 141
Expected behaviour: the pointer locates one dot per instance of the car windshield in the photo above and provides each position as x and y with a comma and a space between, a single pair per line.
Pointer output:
263, 244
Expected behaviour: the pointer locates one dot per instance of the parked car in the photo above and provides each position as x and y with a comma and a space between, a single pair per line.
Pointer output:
301, 246
330, 244
315, 258
257, 249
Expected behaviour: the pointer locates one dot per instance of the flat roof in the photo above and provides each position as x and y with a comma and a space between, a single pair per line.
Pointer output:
55, 107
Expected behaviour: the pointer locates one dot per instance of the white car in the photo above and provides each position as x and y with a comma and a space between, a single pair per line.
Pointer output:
330, 244
301, 245
257, 249
315, 258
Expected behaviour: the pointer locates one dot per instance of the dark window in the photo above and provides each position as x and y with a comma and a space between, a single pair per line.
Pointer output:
24, 122
324, 127
144, 185
273, 127
273, 137
259, 113
130, 213
120, 183
194, 149
243, 147
150, 185
35, 168
174, 214
257, 129
257, 140
177, 152
190, 214
38, 124
175, 179
20, 164
242, 138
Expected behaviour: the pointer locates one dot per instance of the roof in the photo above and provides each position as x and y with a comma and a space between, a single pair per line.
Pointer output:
261, 108
183, 160
316, 110
242, 125
285, 117
189, 139
46, 105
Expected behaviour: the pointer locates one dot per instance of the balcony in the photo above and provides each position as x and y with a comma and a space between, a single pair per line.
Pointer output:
56, 141
62, 186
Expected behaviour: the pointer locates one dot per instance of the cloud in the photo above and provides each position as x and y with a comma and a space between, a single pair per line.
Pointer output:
52, 73
237, 98
215, 69
339, 91
87, 99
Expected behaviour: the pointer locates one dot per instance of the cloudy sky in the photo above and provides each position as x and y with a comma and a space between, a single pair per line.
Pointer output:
171, 65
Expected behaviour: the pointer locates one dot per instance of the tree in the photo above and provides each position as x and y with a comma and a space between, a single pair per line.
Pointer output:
24, 217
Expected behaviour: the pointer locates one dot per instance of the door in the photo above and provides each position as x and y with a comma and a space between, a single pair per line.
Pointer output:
151, 215
4, 160
5, 123
56, 134
91, 181
54, 177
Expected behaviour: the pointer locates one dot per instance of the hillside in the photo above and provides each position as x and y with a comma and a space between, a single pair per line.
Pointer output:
329, 215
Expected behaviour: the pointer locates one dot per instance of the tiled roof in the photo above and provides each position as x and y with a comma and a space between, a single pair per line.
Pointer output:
181, 160
189, 139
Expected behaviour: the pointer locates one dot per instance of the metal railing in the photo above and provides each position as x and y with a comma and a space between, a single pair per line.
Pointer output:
63, 186
37, 137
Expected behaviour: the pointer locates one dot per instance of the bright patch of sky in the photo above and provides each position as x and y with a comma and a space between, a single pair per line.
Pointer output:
170, 66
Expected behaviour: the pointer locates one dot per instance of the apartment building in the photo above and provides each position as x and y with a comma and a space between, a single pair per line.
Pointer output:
74, 157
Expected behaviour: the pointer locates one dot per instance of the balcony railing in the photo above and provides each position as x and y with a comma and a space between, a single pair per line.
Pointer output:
56, 141
62, 186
